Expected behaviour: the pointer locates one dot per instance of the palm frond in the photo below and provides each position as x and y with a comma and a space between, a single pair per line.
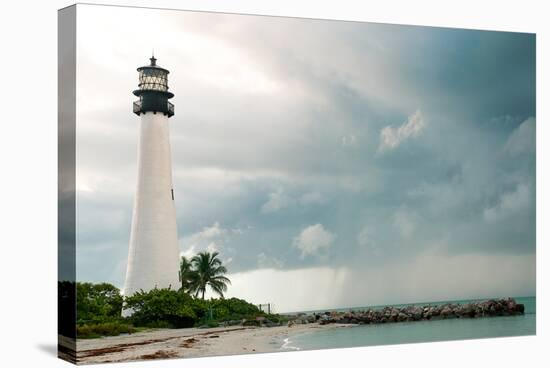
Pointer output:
207, 270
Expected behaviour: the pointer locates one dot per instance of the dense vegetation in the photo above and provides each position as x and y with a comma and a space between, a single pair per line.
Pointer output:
97, 303
99, 310
99, 306
164, 308
177, 309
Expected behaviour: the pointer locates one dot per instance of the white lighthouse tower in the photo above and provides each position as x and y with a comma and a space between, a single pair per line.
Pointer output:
153, 258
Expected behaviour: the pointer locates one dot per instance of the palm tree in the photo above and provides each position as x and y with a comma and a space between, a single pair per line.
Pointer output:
186, 274
209, 272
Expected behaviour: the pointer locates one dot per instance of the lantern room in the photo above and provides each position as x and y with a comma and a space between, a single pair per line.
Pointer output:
153, 90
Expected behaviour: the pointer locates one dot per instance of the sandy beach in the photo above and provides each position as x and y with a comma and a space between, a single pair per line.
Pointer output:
190, 342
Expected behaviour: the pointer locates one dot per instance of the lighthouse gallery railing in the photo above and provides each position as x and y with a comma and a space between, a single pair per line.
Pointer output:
168, 108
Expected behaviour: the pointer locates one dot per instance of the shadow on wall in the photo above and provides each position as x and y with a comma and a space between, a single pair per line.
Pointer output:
50, 349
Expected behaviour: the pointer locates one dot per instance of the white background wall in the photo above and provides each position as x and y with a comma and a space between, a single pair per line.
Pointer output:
28, 32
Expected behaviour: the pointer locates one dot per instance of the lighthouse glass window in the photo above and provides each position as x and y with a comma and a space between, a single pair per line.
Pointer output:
322, 184
153, 79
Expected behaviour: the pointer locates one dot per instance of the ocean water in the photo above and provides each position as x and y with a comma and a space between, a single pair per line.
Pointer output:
421, 331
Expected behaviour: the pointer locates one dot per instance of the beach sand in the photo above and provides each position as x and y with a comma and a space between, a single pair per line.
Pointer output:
189, 342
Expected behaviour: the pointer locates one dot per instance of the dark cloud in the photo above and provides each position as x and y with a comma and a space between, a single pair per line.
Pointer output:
279, 126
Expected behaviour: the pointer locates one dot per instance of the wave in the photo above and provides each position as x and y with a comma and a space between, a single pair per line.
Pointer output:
287, 345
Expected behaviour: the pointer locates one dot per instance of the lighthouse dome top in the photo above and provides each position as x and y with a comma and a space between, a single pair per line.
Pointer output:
153, 65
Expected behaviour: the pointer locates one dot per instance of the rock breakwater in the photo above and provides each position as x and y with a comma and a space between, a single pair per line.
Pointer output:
392, 314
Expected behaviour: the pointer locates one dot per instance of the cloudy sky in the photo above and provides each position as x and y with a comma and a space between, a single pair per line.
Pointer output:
330, 163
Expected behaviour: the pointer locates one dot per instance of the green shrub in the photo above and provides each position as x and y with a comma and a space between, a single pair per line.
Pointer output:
90, 331
96, 303
233, 309
213, 324
176, 308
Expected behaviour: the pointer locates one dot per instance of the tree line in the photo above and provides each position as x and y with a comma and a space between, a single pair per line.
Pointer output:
99, 306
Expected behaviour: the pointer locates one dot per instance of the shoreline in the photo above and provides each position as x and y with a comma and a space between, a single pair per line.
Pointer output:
240, 339
191, 343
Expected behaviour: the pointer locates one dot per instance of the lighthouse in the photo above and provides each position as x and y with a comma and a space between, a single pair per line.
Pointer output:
153, 257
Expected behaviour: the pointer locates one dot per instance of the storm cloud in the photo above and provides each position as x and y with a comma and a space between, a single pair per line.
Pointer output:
317, 151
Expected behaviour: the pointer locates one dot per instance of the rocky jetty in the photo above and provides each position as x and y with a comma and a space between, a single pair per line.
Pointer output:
486, 308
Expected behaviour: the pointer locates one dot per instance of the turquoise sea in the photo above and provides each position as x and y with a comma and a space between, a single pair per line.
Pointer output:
421, 331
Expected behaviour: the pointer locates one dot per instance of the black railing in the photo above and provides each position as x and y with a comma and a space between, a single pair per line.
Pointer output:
153, 105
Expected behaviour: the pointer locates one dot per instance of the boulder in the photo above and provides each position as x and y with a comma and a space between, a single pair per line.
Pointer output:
520, 308
446, 312
467, 311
